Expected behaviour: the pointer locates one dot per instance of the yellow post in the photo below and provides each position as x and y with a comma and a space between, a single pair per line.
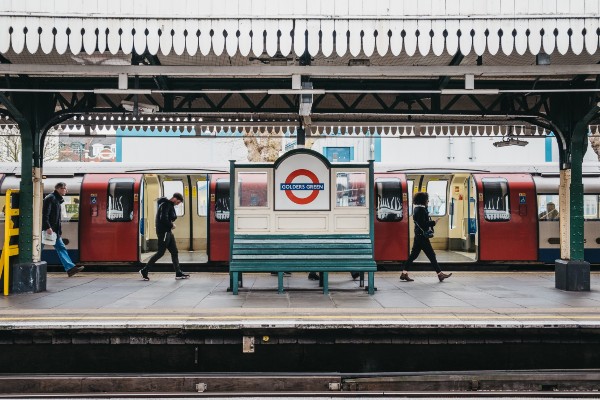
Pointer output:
9, 249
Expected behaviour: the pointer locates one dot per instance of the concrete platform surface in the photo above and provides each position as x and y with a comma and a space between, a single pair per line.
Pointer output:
467, 299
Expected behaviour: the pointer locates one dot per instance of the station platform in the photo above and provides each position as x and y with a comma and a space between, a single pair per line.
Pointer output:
467, 299
97, 322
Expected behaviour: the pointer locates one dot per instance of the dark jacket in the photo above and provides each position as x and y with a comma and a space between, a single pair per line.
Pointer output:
165, 215
422, 220
51, 212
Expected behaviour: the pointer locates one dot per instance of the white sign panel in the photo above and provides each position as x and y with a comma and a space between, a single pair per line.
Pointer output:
302, 182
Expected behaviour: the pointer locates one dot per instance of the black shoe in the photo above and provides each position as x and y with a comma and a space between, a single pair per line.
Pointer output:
442, 276
144, 274
405, 277
355, 275
74, 270
313, 276
181, 275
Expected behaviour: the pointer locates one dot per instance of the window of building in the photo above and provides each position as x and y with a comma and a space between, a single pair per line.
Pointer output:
496, 207
437, 191
590, 207
119, 205
172, 187
252, 189
202, 191
339, 154
350, 189
548, 207
388, 192
222, 200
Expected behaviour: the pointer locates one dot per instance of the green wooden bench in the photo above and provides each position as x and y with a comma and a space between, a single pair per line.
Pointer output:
302, 253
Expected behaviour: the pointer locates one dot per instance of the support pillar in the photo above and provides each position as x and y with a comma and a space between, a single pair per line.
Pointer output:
572, 272
32, 111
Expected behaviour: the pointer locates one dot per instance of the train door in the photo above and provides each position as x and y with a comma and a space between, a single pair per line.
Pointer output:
507, 217
462, 218
109, 217
191, 232
391, 218
219, 218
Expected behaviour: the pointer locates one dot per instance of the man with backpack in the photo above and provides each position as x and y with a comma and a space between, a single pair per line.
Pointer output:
165, 216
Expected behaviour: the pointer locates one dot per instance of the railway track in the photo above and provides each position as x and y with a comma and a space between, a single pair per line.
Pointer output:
463, 384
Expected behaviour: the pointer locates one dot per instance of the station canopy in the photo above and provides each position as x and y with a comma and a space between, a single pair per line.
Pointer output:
350, 67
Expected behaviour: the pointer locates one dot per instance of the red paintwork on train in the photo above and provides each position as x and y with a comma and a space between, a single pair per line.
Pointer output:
392, 238
514, 240
101, 240
218, 236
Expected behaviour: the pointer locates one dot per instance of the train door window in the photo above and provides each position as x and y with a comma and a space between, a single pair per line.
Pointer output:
70, 208
252, 189
389, 199
548, 207
590, 207
411, 186
350, 189
171, 187
437, 197
119, 205
496, 207
202, 190
222, 200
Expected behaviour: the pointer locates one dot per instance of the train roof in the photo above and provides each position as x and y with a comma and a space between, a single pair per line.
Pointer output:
77, 168
549, 169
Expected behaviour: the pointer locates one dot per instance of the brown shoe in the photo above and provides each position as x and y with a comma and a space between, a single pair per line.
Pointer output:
442, 276
405, 277
74, 270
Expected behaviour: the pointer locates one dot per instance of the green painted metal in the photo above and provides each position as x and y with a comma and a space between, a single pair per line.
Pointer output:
578, 145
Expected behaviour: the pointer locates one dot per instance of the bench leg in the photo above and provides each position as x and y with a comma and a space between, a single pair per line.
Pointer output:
241, 279
320, 279
371, 282
361, 281
325, 276
234, 287
280, 282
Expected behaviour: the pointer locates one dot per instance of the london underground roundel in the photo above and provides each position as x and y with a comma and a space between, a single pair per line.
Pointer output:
302, 183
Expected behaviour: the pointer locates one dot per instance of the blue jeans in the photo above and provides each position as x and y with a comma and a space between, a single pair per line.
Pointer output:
63, 255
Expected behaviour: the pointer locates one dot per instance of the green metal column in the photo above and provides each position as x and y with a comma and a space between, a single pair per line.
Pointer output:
34, 111
578, 146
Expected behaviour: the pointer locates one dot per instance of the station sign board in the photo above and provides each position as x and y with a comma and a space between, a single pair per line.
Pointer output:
302, 182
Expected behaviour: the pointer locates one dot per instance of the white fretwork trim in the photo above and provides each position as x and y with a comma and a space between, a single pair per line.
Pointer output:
410, 27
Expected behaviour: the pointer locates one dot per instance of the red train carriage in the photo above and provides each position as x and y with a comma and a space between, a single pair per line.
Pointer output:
485, 214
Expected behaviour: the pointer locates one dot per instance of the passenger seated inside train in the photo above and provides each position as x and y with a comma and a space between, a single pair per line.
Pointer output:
551, 213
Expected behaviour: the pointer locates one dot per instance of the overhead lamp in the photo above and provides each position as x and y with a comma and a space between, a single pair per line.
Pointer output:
511, 142
142, 107
306, 100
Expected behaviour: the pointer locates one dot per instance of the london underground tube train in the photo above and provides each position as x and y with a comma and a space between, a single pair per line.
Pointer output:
486, 214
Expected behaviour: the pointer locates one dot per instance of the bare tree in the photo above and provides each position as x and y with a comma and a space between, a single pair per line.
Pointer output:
595, 142
266, 148
10, 144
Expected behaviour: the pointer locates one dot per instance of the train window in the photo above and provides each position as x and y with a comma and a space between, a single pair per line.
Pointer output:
548, 207
119, 206
222, 200
252, 189
389, 199
496, 207
411, 186
437, 197
70, 208
202, 190
590, 207
350, 189
171, 187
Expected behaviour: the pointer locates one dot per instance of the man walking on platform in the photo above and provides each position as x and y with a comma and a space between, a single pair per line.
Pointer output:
165, 216
51, 222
